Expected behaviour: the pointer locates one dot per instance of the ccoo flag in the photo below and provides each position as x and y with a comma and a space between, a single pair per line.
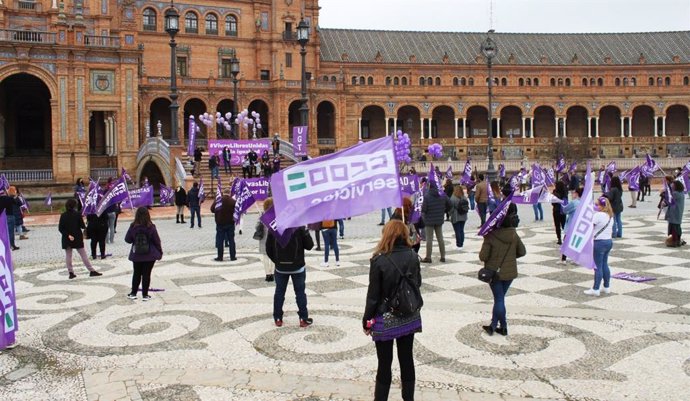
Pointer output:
466, 177
579, 238
449, 172
528, 197
167, 195
116, 194
353, 181
494, 221
8, 299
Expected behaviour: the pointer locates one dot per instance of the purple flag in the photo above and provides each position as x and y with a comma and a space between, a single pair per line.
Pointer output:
8, 300
514, 182
202, 192
633, 177
269, 220
560, 165
686, 181
579, 238
25, 204
537, 176
299, 140
409, 184
550, 177
501, 171
4, 184
668, 195
490, 192
139, 197
624, 175
49, 199
90, 200
353, 181
529, 197
234, 187
573, 167
449, 172
686, 169
259, 187
219, 194
116, 194
243, 201
124, 174
192, 136
167, 195
494, 221
416, 214
433, 177
466, 177
649, 167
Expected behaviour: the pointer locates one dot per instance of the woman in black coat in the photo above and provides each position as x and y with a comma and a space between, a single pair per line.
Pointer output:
71, 226
560, 192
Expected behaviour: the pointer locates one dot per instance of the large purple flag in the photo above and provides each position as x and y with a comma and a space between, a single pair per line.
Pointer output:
579, 238
668, 195
116, 194
299, 140
234, 187
528, 197
409, 184
433, 177
167, 195
269, 220
573, 167
449, 172
560, 165
537, 176
139, 197
466, 177
501, 171
649, 167
490, 192
192, 136
550, 177
686, 169
243, 201
202, 191
90, 200
8, 299
633, 178
416, 214
494, 221
353, 181
686, 181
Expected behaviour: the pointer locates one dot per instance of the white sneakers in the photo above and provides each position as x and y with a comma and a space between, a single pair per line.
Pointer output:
561, 262
606, 290
596, 293
337, 263
324, 264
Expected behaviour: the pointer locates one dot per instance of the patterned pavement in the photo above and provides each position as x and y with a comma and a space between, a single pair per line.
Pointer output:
209, 335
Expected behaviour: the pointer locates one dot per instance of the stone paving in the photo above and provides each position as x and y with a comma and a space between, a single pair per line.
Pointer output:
210, 336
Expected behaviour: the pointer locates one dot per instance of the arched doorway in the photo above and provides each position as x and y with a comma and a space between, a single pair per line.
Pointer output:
409, 119
325, 121
576, 122
260, 107
477, 122
373, 122
293, 116
609, 121
677, 120
154, 175
194, 107
544, 122
643, 121
160, 111
443, 122
224, 107
25, 122
511, 122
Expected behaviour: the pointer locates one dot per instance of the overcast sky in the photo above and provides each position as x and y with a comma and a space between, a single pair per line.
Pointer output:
508, 15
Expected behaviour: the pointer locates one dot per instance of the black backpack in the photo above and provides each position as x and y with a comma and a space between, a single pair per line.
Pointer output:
463, 206
407, 299
141, 243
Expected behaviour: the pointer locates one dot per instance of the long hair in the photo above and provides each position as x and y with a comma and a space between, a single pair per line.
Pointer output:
616, 183
407, 207
268, 203
393, 231
604, 205
458, 192
142, 217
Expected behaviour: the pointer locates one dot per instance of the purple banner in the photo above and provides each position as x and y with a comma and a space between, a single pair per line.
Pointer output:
550, 177
90, 200
579, 237
560, 165
501, 171
243, 201
192, 136
529, 197
633, 178
573, 167
537, 176
686, 182
202, 191
138, 198
258, 187
8, 299
299, 140
409, 184
494, 221
466, 173
449, 172
167, 195
514, 182
668, 195
238, 148
116, 194
49, 199
433, 177
219, 194
686, 169
416, 214
490, 192
351, 182
632, 277
269, 220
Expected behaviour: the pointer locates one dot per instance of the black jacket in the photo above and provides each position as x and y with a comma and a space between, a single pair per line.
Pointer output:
291, 257
434, 207
180, 197
72, 224
193, 197
615, 196
384, 278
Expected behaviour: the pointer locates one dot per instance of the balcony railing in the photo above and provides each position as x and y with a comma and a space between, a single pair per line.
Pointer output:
28, 175
104, 173
289, 35
14, 35
102, 41
326, 141
28, 5
211, 31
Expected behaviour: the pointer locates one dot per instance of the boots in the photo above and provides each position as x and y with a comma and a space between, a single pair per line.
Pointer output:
381, 391
408, 390
182, 219
177, 219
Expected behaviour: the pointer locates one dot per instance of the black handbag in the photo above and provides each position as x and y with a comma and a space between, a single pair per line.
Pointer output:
488, 275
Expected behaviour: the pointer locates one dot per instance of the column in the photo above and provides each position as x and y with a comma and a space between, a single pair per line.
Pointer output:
430, 136
387, 123
498, 127
523, 127
359, 128
464, 128
565, 127
589, 127
557, 119
113, 133
456, 128
421, 128
622, 127
656, 126
531, 127
596, 127
663, 126
395, 125
630, 127
688, 127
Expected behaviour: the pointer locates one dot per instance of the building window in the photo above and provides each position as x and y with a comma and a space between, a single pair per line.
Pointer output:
470, 82
521, 82
553, 81
388, 81
149, 19
618, 82
659, 81
529, 81
650, 81
396, 81
592, 82
288, 60
438, 81
560, 81
354, 80
265, 75
225, 71
191, 23
686, 81
633, 81
463, 81
182, 66
211, 24
370, 81
536, 81
362, 81
504, 81
584, 81
667, 81
422, 81
333, 78
567, 82
325, 78
404, 81
600, 82
230, 25
429, 81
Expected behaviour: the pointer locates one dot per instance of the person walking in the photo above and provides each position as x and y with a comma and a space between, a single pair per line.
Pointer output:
603, 220
316, 228
674, 215
460, 206
329, 231
481, 197
145, 251
70, 227
560, 192
225, 226
615, 197
268, 265
180, 203
194, 205
289, 264
7, 204
500, 250
392, 259
644, 181
433, 210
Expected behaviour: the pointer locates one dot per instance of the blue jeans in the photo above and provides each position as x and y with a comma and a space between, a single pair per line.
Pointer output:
471, 198
10, 229
538, 211
499, 288
617, 226
195, 210
459, 228
602, 247
481, 207
225, 234
330, 240
341, 227
111, 227
383, 214
298, 284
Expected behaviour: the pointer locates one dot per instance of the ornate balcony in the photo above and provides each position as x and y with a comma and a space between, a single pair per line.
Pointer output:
112, 42
15, 35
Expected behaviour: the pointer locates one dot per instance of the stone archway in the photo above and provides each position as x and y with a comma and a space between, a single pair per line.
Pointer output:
194, 107
261, 107
159, 110
409, 118
325, 120
224, 107
643, 121
511, 122
293, 116
609, 121
373, 122
477, 122
443, 122
576, 122
25, 122
677, 120
544, 122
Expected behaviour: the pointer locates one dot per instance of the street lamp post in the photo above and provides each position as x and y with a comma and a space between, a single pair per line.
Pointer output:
172, 27
303, 39
490, 50
234, 70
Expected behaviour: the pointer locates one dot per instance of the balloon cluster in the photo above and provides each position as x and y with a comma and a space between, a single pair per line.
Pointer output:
245, 119
436, 150
402, 148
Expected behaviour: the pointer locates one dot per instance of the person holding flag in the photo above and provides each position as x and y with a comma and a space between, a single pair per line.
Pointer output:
225, 226
603, 221
481, 197
70, 226
615, 196
674, 214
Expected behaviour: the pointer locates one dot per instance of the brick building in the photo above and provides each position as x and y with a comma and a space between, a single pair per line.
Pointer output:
85, 84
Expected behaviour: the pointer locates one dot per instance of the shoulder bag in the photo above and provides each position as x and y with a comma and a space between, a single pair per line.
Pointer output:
488, 275
407, 299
